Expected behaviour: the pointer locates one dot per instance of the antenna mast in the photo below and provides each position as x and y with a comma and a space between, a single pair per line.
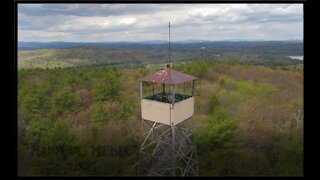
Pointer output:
169, 53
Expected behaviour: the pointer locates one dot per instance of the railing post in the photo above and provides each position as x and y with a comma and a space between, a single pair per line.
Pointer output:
174, 94
141, 89
163, 88
193, 87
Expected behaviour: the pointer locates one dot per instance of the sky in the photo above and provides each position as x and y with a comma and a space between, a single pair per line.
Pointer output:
145, 22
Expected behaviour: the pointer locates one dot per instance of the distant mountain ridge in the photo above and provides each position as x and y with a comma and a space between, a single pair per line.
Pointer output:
22, 45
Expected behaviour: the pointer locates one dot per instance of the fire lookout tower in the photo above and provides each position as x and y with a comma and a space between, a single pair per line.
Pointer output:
167, 107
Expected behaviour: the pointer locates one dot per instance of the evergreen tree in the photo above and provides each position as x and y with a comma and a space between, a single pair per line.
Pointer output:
65, 100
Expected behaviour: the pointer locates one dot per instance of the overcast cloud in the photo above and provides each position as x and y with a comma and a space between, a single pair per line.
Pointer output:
142, 22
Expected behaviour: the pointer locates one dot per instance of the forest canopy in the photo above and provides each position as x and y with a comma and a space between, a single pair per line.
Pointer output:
86, 120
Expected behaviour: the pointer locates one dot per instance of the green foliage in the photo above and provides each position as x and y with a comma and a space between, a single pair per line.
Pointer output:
125, 110
213, 103
61, 135
65, 100
289, 161
100, 92
292, 160
99, 113
37, 128
217, 139
236, 162
108, 89
248, 88
50, 166
38, 102
113, 88
220, 130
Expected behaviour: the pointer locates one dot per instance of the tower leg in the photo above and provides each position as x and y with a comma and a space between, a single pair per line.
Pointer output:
167, 151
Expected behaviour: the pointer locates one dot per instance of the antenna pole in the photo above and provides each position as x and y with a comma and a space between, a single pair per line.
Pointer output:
169, 46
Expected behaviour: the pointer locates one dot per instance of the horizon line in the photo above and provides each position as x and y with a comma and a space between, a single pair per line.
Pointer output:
158, 41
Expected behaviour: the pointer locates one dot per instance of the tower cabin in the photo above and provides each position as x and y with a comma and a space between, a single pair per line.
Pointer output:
167, 96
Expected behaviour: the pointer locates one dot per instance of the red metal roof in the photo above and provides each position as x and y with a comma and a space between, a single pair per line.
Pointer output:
168, 76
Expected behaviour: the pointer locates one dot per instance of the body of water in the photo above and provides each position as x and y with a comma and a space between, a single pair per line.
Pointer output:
296, 57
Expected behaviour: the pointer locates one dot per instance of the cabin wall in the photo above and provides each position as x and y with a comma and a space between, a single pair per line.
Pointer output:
183, 110
155, 111
160, 112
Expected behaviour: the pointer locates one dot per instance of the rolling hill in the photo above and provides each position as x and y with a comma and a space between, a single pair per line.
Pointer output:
49, 55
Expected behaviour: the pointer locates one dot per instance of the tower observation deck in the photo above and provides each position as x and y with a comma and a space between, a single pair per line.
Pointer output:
166, 105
